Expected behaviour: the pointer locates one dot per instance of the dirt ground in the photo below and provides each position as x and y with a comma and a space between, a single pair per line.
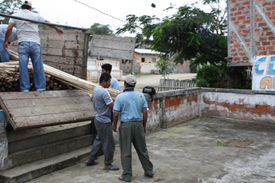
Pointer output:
153, 80
202, 150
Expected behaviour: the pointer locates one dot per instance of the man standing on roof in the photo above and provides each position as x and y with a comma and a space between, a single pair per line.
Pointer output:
29, 46
4, 54
128, 107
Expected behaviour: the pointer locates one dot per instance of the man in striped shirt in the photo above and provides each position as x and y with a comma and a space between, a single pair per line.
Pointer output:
29, 46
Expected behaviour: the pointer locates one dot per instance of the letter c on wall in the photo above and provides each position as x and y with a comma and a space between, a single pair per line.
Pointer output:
257, 66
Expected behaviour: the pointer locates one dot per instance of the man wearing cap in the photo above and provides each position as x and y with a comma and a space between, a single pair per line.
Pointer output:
29, 46
4, 54
128, 107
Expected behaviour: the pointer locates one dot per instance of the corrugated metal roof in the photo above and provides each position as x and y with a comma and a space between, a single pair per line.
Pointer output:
147, 51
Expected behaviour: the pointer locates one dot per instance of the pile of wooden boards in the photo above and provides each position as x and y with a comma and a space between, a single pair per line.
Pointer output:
9, 69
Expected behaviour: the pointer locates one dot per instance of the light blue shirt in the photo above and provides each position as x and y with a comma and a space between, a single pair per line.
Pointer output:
115, 84
101, 100
129, 105
3, 30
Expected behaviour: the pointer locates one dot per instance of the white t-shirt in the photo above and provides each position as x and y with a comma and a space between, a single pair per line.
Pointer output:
27, 31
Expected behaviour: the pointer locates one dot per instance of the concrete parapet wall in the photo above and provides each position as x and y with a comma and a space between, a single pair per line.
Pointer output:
173, 107
255, 106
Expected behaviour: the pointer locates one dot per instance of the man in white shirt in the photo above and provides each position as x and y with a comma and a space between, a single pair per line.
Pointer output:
29, 46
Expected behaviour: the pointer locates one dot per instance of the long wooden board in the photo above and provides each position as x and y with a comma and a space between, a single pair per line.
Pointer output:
36, 109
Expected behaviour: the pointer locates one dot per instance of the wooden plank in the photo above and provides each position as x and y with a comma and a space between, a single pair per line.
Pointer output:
47, 94
68, 35
62, 52
36, 102
3, 106
73, 44
111, 53
54, 109
62, 44
62, 60
33, 109
45, 120
127, 46
85, 56
114, 38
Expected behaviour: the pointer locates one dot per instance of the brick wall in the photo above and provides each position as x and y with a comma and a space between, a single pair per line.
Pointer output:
251, 30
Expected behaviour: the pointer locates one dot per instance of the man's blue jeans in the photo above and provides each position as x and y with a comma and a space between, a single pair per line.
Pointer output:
33, 50
4, 55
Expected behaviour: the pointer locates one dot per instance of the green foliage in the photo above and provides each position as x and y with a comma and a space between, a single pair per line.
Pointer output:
101, 29
164, 67
9, 7
186, 35
222, 143
202, 83
207, 76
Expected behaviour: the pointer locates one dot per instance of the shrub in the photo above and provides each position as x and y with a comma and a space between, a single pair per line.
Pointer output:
207, 76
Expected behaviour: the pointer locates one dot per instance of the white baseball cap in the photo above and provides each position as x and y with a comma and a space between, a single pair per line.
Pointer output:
130, 79
27, 3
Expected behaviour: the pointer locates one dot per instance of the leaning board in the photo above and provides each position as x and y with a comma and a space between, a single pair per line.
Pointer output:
36, 109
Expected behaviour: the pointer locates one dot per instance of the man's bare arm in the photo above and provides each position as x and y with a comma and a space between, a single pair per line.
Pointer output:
115, 120
8, 33
59, 31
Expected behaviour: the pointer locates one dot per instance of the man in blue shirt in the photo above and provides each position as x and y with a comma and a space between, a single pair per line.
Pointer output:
114, 83
103, 104
4, 54
128, 108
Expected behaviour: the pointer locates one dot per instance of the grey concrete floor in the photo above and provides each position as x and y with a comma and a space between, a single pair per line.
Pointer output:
200, 150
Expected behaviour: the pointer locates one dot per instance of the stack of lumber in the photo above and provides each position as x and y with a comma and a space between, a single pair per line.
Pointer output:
12, 83
12, 69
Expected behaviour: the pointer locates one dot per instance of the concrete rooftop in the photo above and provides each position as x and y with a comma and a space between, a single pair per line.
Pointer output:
200, 150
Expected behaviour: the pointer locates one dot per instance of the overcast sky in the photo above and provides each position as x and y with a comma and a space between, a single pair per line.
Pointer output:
73, 13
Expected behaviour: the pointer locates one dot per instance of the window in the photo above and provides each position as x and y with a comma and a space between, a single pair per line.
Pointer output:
142, 59
153, 59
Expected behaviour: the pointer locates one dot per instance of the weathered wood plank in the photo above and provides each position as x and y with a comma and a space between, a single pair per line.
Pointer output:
62, 60
127, 46
40, 95
114, 38
50, 119
62, 52
35, 102
68, 35
111, 53
62, 44
54, 109
33, 109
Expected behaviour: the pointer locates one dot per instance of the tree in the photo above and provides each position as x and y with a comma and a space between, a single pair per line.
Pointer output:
9, 7
186, 34
101, 29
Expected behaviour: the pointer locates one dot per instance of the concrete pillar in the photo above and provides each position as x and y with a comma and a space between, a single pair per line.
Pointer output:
3, 140
162, 116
